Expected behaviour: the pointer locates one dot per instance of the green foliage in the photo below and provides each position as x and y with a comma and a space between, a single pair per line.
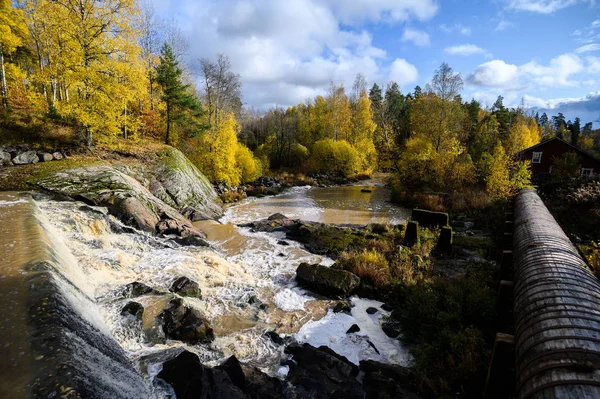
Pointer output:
335, 157
176, 95
370, 265
566, 168
450, 325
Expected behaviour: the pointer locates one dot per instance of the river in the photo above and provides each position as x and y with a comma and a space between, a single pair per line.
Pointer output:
247, 279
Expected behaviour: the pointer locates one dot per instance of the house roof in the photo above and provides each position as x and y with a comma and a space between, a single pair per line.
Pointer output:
576, 149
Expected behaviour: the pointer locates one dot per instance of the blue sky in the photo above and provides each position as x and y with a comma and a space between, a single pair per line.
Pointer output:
544, 52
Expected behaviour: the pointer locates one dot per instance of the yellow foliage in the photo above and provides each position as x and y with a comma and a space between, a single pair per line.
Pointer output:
523, 134
498, 181
336, 157
247, 164
217, 151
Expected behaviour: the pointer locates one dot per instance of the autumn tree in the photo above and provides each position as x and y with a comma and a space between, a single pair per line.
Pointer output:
176, 95
13, 30
222, 89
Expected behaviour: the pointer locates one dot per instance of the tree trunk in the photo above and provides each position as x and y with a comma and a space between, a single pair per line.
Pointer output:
88, 137
125, 124
168, 125
3, 88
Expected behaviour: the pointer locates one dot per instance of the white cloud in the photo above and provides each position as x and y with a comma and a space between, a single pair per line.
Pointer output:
402, 72
288, 50
419, 38
585, 107
593, 65
465, 49
463, 30
496, 73
588, 48
502, 25
543, 6
557, 72
360, 11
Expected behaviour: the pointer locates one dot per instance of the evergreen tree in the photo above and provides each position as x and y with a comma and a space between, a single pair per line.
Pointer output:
176, 95
575, 131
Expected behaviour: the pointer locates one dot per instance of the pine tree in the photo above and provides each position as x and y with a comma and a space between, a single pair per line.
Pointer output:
176, 95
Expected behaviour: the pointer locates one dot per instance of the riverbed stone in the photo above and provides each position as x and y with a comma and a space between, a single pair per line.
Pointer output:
252, 381
354, 328
321, 373
344, 306
185, 287
372, 310
135, 289
134, 309
185, 324
25, 158
190, 379
57, 155
45, 157
5, 158
388, 381
327, 281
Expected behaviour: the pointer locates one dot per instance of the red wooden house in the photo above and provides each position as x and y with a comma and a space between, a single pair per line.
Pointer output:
542, 157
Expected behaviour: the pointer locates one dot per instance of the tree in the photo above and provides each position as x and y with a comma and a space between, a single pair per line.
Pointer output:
222, 89
575, 131
339, 113
498, 181
445, 83
176, 95
13, 30
217, 152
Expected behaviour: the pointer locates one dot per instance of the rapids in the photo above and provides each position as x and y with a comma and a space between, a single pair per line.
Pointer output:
247, 279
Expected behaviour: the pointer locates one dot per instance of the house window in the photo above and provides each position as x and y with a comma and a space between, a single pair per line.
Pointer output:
537, 157
587, 172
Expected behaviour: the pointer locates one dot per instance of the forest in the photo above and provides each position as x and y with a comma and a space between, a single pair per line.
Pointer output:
115, 73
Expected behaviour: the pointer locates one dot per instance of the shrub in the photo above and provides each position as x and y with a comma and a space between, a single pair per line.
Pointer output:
369, 265
298, 155
247, 164
335, 157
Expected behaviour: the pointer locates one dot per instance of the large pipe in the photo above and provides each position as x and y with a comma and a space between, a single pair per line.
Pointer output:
556, 309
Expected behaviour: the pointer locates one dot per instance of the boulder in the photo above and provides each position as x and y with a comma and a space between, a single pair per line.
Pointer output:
25, 158
185, 324
391, 327
125, 198
190, 379
186, 287
177, 182
5, 158
45, 157
57, 156
327, 281
275, 222
354, 328
252, 381
321, 373
192, 241
134, 309
277, 339
372, 310
135, 289
389, 381
343, 306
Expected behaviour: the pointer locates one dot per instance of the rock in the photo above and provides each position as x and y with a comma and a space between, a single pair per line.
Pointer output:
177, 182
276, 222
185, 287
252, 381
135, 289
125, 198
387, 308
391, 327
190, 379
193, 241
25, 158
366, 190
343, 306
372, 310
277, 216
327, 281
379, 228
57, 156
185, 324
5, 158
284, 243
133, 309
353, 329
45, 157
321, 373
277, 339
387, 381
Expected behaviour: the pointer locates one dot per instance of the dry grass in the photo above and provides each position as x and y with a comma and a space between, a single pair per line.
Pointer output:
369, 265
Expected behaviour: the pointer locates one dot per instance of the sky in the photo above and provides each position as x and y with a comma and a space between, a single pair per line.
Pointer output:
544, 53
